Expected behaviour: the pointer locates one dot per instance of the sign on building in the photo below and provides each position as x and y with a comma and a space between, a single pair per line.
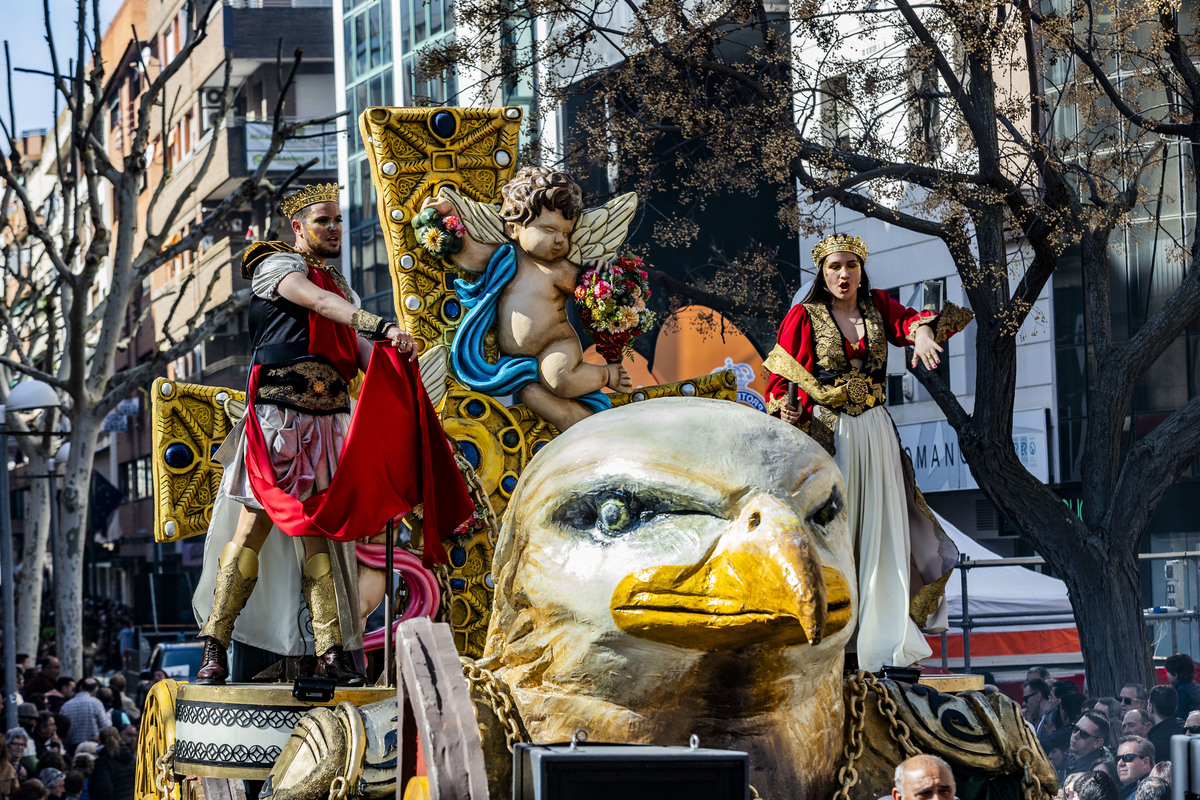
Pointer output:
939, 463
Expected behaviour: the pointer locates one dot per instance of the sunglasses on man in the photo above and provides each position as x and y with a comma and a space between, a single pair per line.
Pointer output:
1082, 733
1192, 729
1129, 758
1126, 701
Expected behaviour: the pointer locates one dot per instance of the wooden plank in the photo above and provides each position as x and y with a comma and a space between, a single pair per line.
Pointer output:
431, 681
223, 789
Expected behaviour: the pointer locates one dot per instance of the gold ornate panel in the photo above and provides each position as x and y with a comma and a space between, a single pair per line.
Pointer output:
414, 152
190, 422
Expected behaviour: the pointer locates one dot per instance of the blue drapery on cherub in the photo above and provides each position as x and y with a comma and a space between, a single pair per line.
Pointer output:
510, 373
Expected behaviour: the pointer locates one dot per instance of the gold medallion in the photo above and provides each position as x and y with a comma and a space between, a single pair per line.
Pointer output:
857, 390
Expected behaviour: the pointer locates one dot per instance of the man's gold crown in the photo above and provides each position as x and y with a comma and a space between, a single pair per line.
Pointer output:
839, 243
318, 193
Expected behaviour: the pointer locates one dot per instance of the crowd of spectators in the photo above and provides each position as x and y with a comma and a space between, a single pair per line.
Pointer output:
75, 741
1113, 748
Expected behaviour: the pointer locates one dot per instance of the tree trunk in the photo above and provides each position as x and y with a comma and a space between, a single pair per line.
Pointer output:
1105, 591
72, 540
33, 555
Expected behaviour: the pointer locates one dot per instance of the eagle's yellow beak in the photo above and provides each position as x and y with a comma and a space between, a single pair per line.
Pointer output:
763, 582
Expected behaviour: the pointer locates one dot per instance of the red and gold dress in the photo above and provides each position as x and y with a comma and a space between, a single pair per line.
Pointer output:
904, 557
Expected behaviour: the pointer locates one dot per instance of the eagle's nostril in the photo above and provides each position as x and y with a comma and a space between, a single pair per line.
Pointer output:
755, 518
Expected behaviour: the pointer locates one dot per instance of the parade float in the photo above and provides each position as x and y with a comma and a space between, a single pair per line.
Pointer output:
671, 572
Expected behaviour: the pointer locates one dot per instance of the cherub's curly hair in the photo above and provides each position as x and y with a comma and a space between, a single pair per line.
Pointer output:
534, 189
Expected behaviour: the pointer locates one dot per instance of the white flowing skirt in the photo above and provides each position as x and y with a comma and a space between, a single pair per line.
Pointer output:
304, 451
889, 529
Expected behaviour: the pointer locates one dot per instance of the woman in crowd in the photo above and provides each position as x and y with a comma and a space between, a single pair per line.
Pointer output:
113, 774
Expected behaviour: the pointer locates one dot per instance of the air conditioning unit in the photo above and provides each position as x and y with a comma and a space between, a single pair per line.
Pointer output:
211, 98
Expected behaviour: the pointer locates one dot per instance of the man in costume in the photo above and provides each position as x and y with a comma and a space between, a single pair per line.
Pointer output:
832, 352
310, 339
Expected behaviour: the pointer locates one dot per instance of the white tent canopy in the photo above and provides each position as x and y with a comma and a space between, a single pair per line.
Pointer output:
1003, 590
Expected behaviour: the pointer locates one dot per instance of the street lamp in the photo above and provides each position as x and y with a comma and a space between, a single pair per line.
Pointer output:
25, 396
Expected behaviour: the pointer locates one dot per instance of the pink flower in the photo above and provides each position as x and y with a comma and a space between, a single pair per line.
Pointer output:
452, 223
602, 290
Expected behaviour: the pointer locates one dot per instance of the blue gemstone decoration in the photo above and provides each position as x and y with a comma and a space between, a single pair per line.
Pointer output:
179, 456
475, 408
510, 438
458, 584
470, 452
213, 451
444, 124
538, 447
508, 483
458, 556
452, 309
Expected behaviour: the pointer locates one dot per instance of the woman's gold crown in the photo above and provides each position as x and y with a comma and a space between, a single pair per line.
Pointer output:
839, 243
316, 193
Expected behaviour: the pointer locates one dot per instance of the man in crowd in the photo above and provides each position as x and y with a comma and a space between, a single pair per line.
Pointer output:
1040, 674
64, 690
87, 714
1036, 696
45, 735
1135, 758
43, 680
1133, 695
1181, 673
1163, 702
1094, 786
1136, 723
1191, 725
1089, 739
923, 777
52, 779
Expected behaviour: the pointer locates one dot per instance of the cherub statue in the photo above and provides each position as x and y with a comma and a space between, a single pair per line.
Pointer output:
530, 250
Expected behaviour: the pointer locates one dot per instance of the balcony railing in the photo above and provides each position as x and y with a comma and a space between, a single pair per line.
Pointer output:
279, 3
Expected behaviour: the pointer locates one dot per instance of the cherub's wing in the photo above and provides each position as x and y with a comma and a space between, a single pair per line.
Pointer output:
602, 230
482, 219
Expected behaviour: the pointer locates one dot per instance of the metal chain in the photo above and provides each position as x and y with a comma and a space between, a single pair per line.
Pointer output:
497, 697
889, 709
1031, 784
162, 777
442, 573
853, 749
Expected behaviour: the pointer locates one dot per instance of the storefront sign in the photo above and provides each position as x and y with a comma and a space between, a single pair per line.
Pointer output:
939, 463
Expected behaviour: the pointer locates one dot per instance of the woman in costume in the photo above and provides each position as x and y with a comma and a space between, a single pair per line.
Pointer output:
833, 348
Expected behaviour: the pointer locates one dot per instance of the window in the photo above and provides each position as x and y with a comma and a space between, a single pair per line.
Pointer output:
835, 113
135, 479
924, 115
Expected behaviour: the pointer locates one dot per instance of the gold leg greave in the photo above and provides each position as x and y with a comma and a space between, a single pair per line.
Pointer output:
319, 594
236, 576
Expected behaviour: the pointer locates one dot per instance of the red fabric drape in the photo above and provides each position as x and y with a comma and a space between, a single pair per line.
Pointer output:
334, 341
395, 456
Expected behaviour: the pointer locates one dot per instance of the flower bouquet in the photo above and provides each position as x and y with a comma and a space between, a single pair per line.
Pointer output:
612, 305
440, 235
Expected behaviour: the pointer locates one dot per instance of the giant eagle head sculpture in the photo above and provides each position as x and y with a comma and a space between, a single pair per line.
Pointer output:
681, 566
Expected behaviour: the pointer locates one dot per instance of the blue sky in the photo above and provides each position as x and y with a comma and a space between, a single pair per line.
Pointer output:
25, 32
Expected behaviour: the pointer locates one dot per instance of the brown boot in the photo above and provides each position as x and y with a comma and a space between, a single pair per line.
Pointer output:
236, 576
321, 597
334, 663
214, 666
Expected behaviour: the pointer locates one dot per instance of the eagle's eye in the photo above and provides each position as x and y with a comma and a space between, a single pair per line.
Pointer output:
604, 515
614, 514
828, 511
